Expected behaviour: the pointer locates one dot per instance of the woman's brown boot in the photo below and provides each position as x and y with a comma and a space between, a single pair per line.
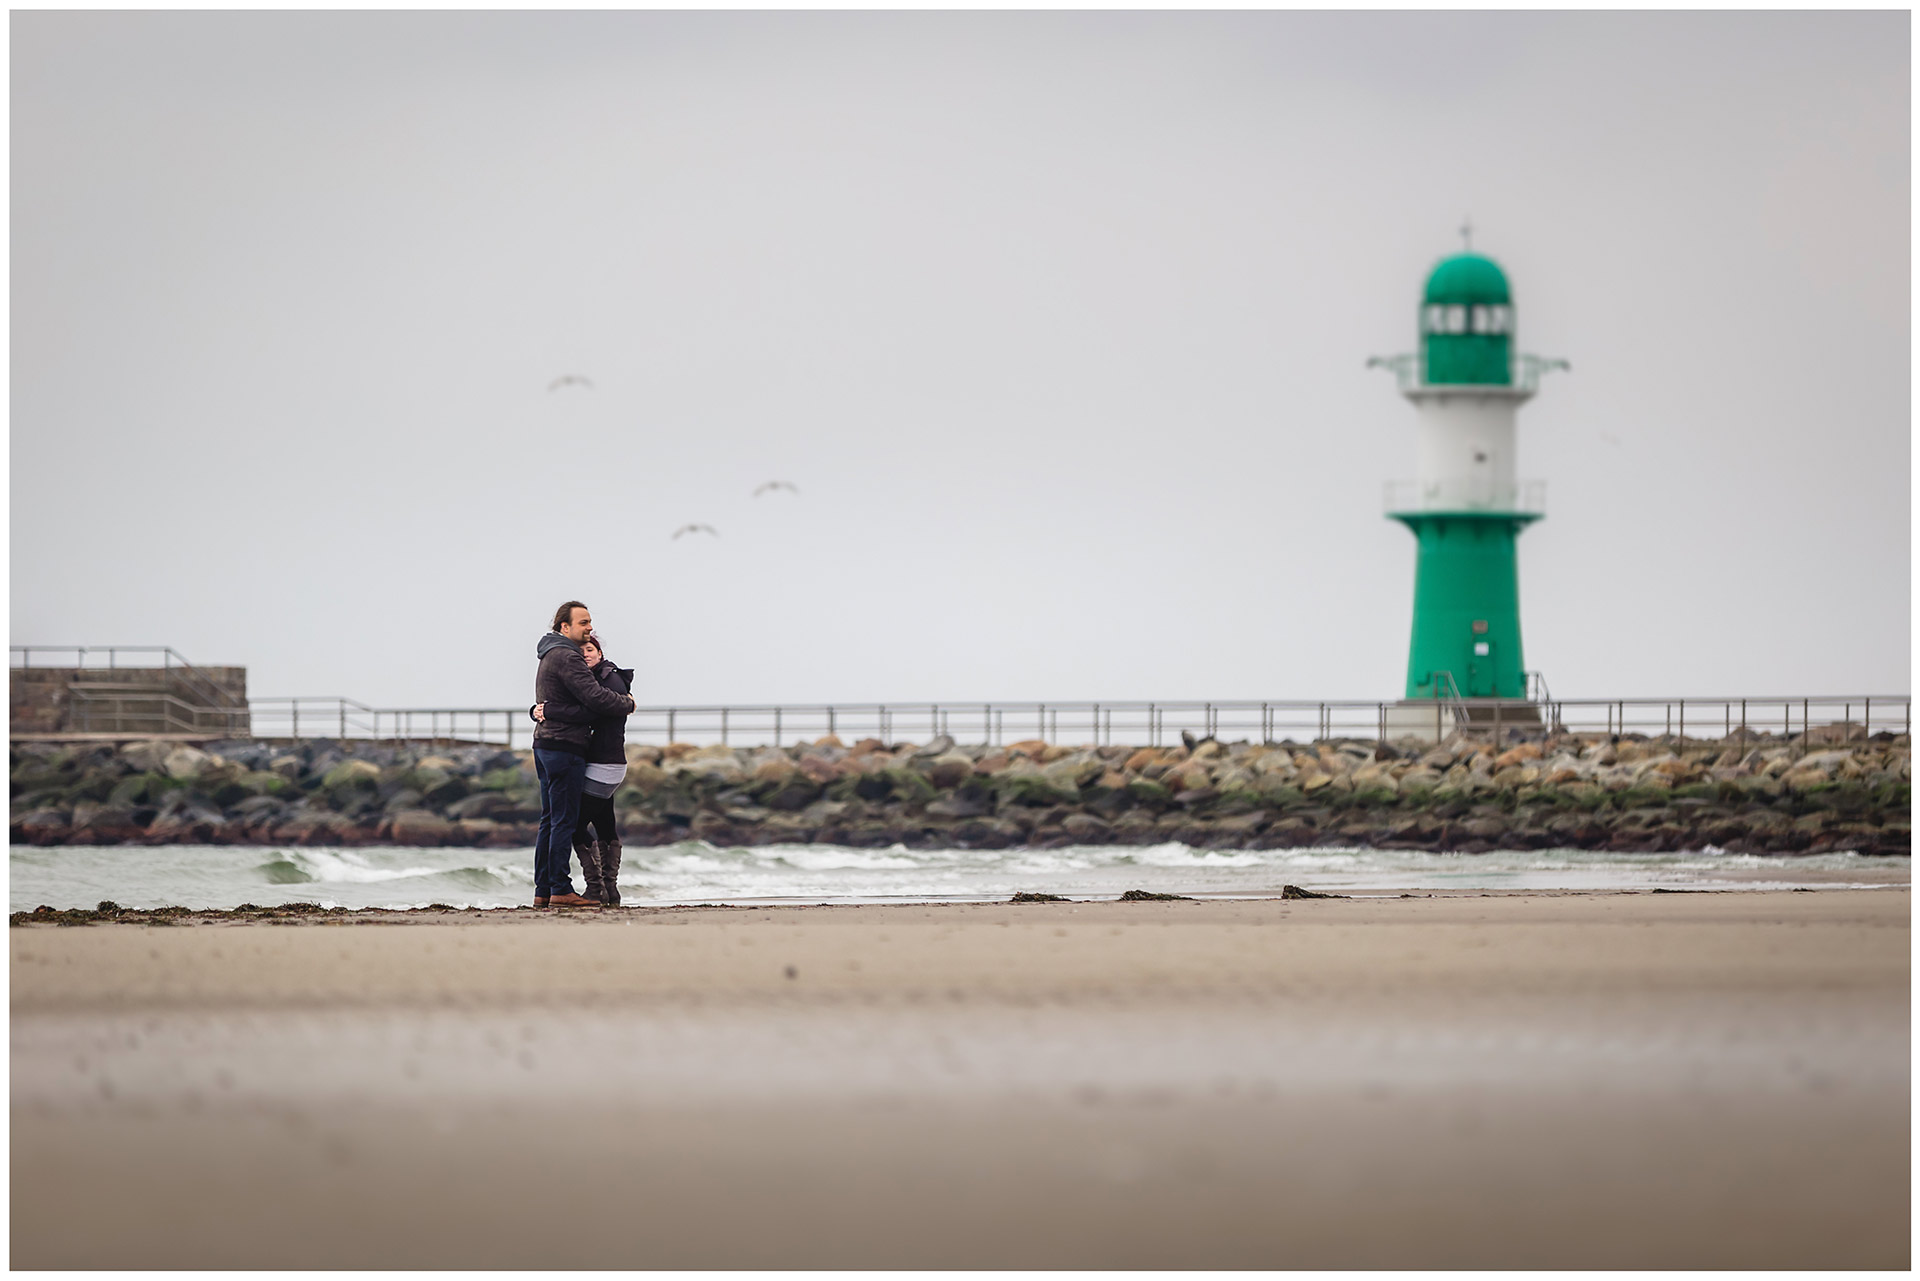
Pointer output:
610, 872
590, 872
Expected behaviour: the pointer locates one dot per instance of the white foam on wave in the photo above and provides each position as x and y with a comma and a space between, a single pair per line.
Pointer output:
1045, 862
1187, 856
839, 858
350, 867
1317, 857
686, 863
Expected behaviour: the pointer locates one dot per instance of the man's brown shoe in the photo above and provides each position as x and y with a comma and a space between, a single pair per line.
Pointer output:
572, 900
540, 900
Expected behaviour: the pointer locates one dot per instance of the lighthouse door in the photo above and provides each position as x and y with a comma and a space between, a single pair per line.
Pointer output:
1480, 682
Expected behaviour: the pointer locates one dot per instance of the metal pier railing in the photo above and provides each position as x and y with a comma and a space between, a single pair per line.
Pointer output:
333, 717
1157, 723
1149, 723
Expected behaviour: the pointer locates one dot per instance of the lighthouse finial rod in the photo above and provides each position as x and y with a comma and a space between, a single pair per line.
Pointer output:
1466, 234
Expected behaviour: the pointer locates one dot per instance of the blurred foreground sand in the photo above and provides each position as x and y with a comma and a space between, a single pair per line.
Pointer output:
1618, 1080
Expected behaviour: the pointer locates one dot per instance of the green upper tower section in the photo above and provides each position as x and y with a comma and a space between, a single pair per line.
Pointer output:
1466, 323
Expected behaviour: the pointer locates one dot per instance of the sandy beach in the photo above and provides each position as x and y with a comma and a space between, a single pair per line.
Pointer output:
1576, 1080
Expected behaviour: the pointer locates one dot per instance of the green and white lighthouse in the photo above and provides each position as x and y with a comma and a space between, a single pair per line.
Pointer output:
1466, 509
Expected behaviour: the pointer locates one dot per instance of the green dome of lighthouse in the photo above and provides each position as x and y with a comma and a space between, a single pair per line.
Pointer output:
1467, 278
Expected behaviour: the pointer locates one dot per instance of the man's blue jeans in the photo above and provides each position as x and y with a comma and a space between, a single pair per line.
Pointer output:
562, 774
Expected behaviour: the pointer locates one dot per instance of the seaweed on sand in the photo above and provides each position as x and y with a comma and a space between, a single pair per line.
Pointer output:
111, 912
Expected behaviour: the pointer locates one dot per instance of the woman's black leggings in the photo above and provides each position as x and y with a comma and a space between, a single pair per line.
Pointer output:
596, 812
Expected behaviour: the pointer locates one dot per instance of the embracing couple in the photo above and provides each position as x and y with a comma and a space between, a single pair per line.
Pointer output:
580, 751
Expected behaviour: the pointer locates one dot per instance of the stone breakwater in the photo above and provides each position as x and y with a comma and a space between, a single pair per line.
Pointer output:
1743, 795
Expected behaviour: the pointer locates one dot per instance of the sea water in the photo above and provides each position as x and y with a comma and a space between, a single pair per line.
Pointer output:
220, 876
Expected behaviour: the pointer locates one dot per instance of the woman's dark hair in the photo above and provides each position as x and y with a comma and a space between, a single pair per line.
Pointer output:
593, 639
564, 615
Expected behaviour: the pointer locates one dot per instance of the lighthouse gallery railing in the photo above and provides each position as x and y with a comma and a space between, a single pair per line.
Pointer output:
1525, 370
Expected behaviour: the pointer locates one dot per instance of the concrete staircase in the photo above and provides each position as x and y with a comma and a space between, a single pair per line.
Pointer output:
91, 703
1430, 720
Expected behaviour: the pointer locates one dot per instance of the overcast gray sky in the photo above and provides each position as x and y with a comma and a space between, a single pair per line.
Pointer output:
1058, 322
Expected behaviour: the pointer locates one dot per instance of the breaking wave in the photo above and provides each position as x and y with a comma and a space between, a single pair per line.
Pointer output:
696, 872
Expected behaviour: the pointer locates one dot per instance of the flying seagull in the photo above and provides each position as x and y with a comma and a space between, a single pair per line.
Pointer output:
570, 380
776, 484
696, 529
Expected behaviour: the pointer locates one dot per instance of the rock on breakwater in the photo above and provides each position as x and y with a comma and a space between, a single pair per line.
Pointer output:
1751, 794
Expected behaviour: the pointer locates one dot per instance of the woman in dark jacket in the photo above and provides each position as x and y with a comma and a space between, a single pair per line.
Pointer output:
606, 770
